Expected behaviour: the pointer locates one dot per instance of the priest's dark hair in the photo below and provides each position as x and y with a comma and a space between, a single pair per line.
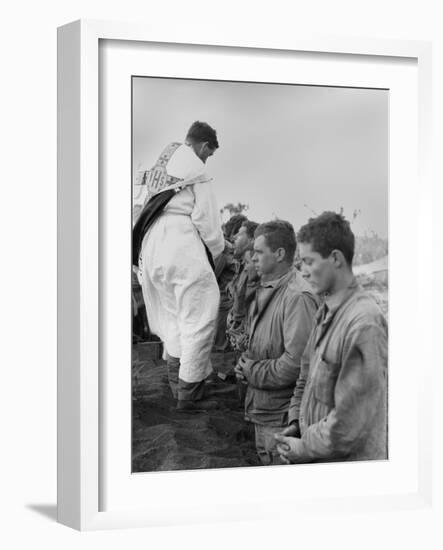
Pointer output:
200, 132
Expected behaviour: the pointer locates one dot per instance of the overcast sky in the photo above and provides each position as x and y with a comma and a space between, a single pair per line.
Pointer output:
285, 150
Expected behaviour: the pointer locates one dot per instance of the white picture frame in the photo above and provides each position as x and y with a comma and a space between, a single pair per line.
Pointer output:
79, 256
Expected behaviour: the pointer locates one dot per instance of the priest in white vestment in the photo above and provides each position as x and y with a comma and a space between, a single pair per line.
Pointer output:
179, 286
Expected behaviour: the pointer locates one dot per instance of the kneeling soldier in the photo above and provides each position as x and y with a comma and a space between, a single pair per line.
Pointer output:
339, 407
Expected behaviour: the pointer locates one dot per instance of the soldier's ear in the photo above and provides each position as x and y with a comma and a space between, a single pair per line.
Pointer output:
337, 258
281, 254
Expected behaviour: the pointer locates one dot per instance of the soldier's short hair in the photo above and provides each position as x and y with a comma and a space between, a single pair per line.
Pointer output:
327, 232
279, 234
250, 228
232, 226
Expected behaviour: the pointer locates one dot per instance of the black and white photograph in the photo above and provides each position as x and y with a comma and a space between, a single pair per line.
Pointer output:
259, 274
221, 292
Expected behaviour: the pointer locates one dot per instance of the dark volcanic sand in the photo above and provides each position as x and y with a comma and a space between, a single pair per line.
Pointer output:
164, 439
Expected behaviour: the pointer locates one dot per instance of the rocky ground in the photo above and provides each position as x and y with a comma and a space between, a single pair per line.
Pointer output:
164, 439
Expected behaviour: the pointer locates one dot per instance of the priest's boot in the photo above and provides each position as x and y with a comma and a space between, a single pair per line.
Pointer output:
191, 397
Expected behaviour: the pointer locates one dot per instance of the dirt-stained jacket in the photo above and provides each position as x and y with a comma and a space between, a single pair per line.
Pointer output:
340, 398
280, 320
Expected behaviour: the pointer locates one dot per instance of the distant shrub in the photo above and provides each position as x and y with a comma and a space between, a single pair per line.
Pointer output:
369, 248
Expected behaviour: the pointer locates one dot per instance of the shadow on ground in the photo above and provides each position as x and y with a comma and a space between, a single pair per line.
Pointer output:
48, 511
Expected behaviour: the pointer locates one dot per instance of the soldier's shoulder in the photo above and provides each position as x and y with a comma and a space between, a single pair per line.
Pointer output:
364, 309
